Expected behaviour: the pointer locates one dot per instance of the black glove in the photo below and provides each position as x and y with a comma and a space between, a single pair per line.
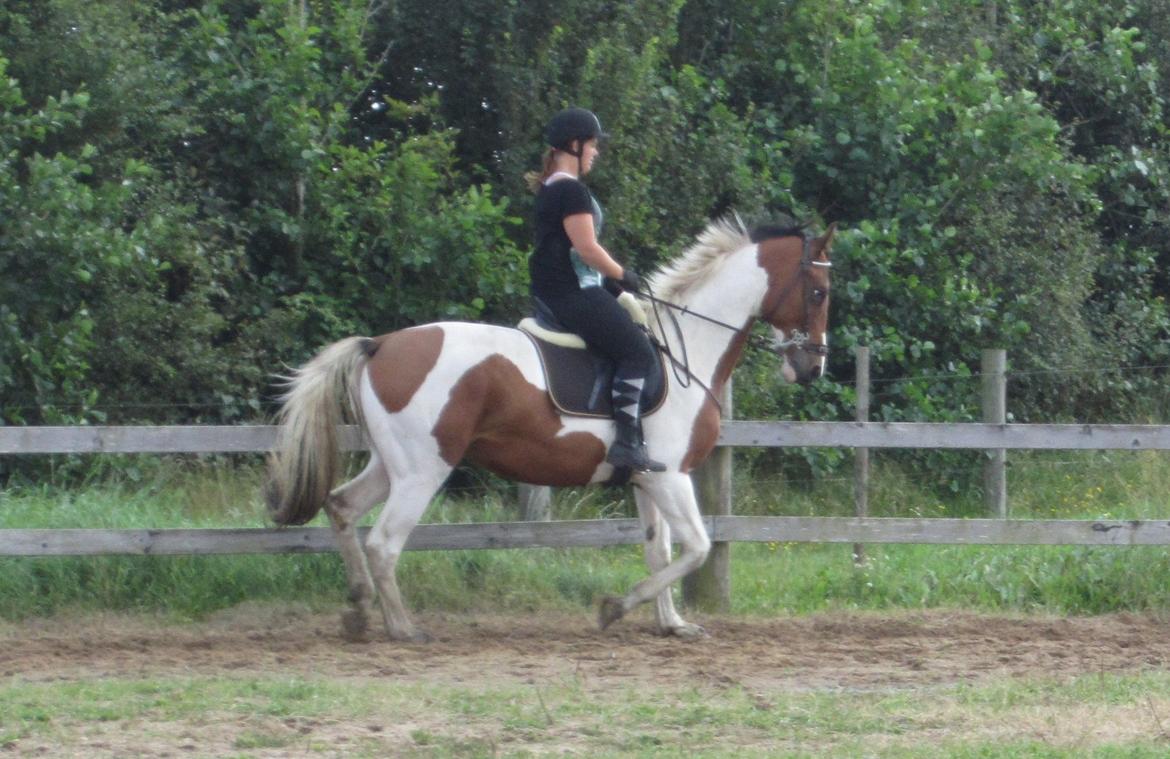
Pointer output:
630, 280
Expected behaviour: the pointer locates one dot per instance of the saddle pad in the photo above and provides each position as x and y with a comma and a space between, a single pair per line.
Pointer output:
580, 382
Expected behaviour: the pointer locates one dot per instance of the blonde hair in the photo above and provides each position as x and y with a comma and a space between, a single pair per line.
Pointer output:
535, 179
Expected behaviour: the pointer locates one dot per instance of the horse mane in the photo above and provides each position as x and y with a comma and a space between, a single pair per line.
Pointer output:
712, 245
768, 231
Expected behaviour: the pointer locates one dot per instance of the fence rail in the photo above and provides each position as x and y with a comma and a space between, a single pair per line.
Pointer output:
591, 533
260, 438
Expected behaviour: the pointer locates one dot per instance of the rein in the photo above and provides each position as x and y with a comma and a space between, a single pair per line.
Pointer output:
684, 366
664, 346
754, 341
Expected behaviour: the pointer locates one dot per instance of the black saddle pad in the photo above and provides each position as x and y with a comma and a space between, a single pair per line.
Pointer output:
580, 381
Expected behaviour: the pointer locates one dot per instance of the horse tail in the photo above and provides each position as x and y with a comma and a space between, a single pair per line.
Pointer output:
305, 461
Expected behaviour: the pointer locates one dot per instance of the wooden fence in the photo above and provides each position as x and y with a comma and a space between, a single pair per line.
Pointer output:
714, 488
767, 434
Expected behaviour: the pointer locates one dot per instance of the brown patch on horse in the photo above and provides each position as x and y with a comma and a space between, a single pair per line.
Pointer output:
400, 362
704, 435
730, 358
705, 432
782, 264
498, 420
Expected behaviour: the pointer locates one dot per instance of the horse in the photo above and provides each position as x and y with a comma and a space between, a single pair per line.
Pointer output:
431, 396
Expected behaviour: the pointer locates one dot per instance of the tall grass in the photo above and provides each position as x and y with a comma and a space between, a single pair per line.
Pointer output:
767, 578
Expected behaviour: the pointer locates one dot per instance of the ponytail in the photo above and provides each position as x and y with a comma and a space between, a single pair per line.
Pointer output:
536, 179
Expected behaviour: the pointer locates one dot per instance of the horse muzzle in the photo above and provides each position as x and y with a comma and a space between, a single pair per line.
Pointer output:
804, 363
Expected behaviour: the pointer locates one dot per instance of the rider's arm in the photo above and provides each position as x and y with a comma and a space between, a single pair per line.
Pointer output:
579, 228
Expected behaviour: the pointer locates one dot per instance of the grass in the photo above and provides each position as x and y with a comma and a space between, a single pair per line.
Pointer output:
767, 578
1098, 715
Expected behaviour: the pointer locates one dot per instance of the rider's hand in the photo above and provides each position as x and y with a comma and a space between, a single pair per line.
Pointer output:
630, 280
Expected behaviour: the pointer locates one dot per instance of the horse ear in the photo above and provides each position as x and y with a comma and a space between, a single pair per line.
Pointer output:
826, 239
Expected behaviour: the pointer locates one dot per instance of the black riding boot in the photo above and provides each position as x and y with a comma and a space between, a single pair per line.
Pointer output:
628, 449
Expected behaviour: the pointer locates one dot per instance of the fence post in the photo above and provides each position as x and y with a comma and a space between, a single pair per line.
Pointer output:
709, 587
535, 502
995, 412
861, 455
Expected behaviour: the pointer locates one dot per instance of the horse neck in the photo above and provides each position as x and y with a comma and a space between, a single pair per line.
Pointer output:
732, 295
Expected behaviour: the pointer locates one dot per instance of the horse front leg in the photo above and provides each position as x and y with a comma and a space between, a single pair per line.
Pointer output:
674, 498
345, 507
656, 546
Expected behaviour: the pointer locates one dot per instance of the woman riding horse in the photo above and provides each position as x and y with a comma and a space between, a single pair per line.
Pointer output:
567, 268
431, 396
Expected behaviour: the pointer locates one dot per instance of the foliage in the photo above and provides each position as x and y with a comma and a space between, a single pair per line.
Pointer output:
967, 208
60, 240
193, 195
228, 215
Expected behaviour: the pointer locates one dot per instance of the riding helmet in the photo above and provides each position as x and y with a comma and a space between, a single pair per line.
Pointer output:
572, 124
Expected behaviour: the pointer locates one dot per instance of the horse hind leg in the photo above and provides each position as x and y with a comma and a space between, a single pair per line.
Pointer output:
345, 507
656, 546
409, 498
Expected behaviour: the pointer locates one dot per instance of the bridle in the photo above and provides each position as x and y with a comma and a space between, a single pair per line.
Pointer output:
798, 339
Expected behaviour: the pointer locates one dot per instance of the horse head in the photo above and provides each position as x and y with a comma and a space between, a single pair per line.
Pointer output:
796, 303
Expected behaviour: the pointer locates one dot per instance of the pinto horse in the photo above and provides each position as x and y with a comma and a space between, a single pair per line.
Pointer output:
431, 396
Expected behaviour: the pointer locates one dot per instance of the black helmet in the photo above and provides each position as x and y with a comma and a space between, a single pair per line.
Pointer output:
572, 124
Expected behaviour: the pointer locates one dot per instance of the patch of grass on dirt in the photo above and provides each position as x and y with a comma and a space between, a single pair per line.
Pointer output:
1097, 715
770, 578
766, 579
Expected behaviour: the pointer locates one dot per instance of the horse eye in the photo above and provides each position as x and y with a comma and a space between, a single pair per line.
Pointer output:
818, 296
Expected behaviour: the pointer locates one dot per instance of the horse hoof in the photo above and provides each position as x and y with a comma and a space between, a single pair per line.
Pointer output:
354, 625
611, 611
413, 636
687, 631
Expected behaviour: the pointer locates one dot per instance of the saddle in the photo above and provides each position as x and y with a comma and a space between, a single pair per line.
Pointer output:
579, 379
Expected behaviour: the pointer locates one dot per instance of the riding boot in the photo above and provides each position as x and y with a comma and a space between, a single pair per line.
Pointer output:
629, 449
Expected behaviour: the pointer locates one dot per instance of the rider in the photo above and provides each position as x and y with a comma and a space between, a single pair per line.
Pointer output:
567, 267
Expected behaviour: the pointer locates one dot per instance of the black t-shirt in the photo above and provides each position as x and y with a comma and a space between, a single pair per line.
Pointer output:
550, 267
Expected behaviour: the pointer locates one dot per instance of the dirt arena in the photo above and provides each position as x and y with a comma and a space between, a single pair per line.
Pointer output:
844, 650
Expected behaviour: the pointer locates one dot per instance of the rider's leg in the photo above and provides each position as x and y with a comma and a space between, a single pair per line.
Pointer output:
629, 448
596, 315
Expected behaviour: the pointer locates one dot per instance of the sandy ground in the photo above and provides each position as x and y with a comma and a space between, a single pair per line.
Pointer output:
841, 651
846, 650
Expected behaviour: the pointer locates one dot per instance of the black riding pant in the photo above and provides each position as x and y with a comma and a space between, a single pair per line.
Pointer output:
596, 315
